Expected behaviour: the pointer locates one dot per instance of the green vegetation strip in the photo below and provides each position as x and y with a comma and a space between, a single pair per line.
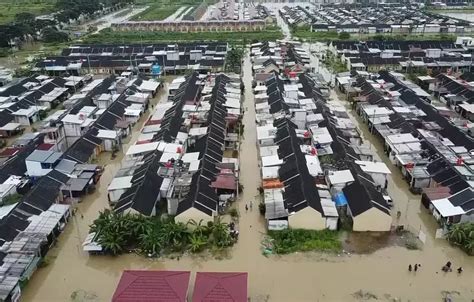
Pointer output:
109, 36
462, 235
299, 240
334, 36
156, 12
153, 236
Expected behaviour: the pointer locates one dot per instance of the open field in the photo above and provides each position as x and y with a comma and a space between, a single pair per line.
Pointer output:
156, 12
10, 8
162, 9
109, 36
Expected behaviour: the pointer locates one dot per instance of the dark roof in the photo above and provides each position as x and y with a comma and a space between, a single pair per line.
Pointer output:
162, 286
362, 195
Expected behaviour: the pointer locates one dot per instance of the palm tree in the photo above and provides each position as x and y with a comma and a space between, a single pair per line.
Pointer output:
196, 243
112, 242
150, 241
198, 227
456, 234
220, 234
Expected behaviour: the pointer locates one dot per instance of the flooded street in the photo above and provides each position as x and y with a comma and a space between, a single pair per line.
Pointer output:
298, 277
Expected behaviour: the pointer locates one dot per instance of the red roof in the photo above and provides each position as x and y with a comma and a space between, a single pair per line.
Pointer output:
10, 151
152, 286
222, 287
45, 147
225, 181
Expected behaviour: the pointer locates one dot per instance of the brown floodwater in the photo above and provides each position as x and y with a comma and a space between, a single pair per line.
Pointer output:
381, 275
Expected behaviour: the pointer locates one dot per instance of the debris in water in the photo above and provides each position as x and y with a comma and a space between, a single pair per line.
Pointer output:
362, 295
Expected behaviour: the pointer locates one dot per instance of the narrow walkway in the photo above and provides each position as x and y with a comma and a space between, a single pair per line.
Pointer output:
251, 223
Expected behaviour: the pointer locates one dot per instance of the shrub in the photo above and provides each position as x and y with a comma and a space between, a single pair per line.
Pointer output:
234, 213
294, 240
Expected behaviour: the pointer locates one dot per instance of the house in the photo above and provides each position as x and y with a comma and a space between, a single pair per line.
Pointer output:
201, 202
457, 208
28, 116
110, 138
11, 129
41, 162
367, 207
220, 286
142, 285
9, 187
377, 170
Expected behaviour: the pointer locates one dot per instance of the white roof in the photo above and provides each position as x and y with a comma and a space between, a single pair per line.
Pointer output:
124, 182
5, 210
232, 103
321, 135
197, 131
340, 177
169, 147
169, 155
145, 136
142, 148
189, 157
372, 111
10, 126
446, 208
270, 172
89, 245
266, 132
314, 167
149, 86
373, 167
272, 160
107, 134
268, 150
467, 107
401, 138
151, 128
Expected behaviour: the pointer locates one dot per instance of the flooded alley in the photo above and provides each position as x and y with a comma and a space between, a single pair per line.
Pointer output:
73, 275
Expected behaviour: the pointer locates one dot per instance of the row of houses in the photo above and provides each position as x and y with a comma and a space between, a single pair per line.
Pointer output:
289, 58
191, 26
407, 56
149, 59
184, 162
383, 19
295, 15
426, 138
58, 180
299, 131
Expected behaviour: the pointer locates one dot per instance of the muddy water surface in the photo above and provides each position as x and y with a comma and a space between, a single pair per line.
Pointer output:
299, 277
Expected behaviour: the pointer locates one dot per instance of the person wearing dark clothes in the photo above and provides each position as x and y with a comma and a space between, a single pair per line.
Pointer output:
448, 264
460, 270
246, 208
409, 268
416, 267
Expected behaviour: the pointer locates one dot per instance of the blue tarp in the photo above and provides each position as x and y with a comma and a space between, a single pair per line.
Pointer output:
340, 199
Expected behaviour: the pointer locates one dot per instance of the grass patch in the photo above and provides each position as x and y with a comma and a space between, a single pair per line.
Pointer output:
299, 240
109, 36
451, 10
156, 12
36, 7
334, 36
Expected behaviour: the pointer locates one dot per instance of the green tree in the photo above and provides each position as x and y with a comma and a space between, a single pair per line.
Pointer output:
51, 34
456, 234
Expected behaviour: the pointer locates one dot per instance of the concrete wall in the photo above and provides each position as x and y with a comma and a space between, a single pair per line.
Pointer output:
372, 220
195, 214
307, 218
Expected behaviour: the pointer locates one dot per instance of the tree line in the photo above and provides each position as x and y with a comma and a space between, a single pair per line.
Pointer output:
26, 27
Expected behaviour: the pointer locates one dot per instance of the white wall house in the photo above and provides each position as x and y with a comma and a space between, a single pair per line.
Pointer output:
40, 162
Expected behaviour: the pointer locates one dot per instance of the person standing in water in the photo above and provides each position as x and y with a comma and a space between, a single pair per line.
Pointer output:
409, 267
416, 267
246, 208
